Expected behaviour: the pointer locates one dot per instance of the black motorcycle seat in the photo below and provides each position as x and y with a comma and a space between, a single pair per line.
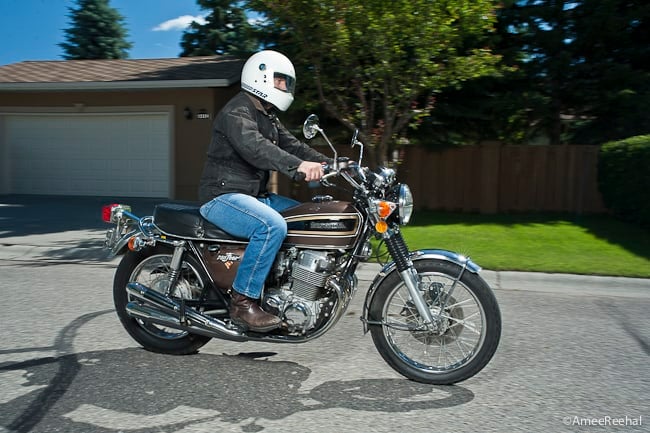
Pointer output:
185, 221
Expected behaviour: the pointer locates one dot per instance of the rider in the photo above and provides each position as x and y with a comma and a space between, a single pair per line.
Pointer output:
247, 142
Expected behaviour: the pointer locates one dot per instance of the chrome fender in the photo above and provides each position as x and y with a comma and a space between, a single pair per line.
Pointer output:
415, 256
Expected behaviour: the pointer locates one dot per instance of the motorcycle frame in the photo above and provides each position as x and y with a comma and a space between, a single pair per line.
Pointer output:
145, 226
409, 276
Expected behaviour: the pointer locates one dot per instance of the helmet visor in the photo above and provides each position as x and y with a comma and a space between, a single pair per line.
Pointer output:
284, 82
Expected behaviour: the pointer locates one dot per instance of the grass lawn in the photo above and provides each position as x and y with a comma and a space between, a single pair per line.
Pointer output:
587, 244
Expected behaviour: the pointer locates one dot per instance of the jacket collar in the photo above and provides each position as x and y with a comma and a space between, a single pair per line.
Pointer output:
258, 104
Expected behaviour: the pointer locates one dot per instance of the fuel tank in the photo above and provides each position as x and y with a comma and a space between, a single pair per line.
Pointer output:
323, 225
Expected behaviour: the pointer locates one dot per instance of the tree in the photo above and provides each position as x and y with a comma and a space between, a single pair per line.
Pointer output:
96, 32
523, 103
611, 70
580, 74
226, 31
587, 63
378, 64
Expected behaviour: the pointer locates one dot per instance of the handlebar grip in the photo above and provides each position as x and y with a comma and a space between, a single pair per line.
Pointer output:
299, 176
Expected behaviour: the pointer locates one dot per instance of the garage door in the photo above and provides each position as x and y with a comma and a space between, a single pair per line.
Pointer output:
89, 154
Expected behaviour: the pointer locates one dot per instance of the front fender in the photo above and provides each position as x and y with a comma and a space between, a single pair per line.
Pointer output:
445, 255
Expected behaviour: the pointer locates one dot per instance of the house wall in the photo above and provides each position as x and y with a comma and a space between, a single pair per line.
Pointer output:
190, 137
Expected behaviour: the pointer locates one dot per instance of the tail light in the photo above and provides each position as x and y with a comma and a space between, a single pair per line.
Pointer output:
107, 211
112, 212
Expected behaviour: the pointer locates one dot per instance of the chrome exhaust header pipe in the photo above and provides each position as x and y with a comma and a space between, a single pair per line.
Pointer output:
167, 312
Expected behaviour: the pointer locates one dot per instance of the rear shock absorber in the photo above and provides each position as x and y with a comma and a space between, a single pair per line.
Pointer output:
175, 266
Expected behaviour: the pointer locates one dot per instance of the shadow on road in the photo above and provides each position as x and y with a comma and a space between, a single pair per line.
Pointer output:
132, 389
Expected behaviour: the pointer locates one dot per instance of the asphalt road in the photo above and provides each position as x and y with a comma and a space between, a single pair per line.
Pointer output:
573, 357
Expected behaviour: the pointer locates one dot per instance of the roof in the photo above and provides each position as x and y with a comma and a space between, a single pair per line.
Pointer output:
205, 71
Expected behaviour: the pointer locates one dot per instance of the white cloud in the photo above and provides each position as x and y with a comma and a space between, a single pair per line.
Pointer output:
179, 23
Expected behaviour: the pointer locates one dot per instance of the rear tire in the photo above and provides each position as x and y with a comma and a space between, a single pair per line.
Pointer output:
466, 339
150, 267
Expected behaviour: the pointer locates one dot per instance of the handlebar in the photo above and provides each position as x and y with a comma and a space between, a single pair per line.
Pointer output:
343, 164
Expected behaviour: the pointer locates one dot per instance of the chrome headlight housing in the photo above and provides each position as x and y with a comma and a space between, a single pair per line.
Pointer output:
405, 204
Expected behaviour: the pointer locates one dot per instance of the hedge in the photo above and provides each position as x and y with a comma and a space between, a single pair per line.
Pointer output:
624, 178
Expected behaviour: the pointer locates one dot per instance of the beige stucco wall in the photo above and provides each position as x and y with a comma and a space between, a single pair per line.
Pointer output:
190, 137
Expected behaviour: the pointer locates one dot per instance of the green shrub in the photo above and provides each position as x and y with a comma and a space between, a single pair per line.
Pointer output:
624, 178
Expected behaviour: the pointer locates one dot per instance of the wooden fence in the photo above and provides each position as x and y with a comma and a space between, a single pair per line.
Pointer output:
496, 178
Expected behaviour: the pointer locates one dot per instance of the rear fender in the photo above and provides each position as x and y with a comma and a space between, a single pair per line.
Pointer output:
415, 256
119, 246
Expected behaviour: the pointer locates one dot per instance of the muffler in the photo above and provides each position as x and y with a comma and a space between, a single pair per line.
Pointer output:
167, 312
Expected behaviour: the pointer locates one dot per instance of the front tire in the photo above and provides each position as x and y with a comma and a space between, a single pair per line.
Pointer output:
150, 267
465, 339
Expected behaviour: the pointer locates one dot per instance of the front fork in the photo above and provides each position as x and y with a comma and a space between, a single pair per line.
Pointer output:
399, 252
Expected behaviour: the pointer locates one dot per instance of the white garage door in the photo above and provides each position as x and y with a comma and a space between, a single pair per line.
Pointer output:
89, 154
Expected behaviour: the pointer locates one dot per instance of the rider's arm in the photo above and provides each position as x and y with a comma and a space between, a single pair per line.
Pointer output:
291, 144
243, 132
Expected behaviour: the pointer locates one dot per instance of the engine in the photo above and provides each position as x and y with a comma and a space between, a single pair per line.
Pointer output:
298, 294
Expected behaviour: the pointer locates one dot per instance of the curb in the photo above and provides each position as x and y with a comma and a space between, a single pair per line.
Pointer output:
93, 252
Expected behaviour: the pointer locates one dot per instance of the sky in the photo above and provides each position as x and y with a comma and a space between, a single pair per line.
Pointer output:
32, 29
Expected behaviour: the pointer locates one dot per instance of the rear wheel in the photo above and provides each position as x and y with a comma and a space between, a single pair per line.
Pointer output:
464, 338
150, 267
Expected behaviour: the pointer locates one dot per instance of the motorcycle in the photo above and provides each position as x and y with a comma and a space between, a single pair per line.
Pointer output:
432, 317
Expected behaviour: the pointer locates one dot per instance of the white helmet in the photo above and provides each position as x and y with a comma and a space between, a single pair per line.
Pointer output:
260, 74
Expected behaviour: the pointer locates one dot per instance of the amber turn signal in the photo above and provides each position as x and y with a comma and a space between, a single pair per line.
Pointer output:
381, 226
384, 209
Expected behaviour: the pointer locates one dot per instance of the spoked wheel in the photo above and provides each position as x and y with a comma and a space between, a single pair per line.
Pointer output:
462, 340
151, 267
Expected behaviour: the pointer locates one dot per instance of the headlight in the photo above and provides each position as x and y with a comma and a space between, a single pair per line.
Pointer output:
405, 204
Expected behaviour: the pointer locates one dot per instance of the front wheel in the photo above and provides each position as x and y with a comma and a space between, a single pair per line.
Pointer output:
462, 340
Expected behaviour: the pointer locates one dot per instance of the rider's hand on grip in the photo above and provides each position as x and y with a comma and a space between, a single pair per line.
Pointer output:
299, 176
312, 170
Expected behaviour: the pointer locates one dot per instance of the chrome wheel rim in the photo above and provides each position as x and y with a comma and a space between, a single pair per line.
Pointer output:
153, 272
460, 332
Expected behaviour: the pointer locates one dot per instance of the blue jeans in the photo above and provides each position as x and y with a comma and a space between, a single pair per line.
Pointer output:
258, 220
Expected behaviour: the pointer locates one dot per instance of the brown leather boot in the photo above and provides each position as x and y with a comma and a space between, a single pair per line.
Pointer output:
245, 311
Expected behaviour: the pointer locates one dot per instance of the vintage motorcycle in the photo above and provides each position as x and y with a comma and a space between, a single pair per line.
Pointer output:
432, 317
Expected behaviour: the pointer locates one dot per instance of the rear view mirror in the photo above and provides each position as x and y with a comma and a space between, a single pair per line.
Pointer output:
310, 128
